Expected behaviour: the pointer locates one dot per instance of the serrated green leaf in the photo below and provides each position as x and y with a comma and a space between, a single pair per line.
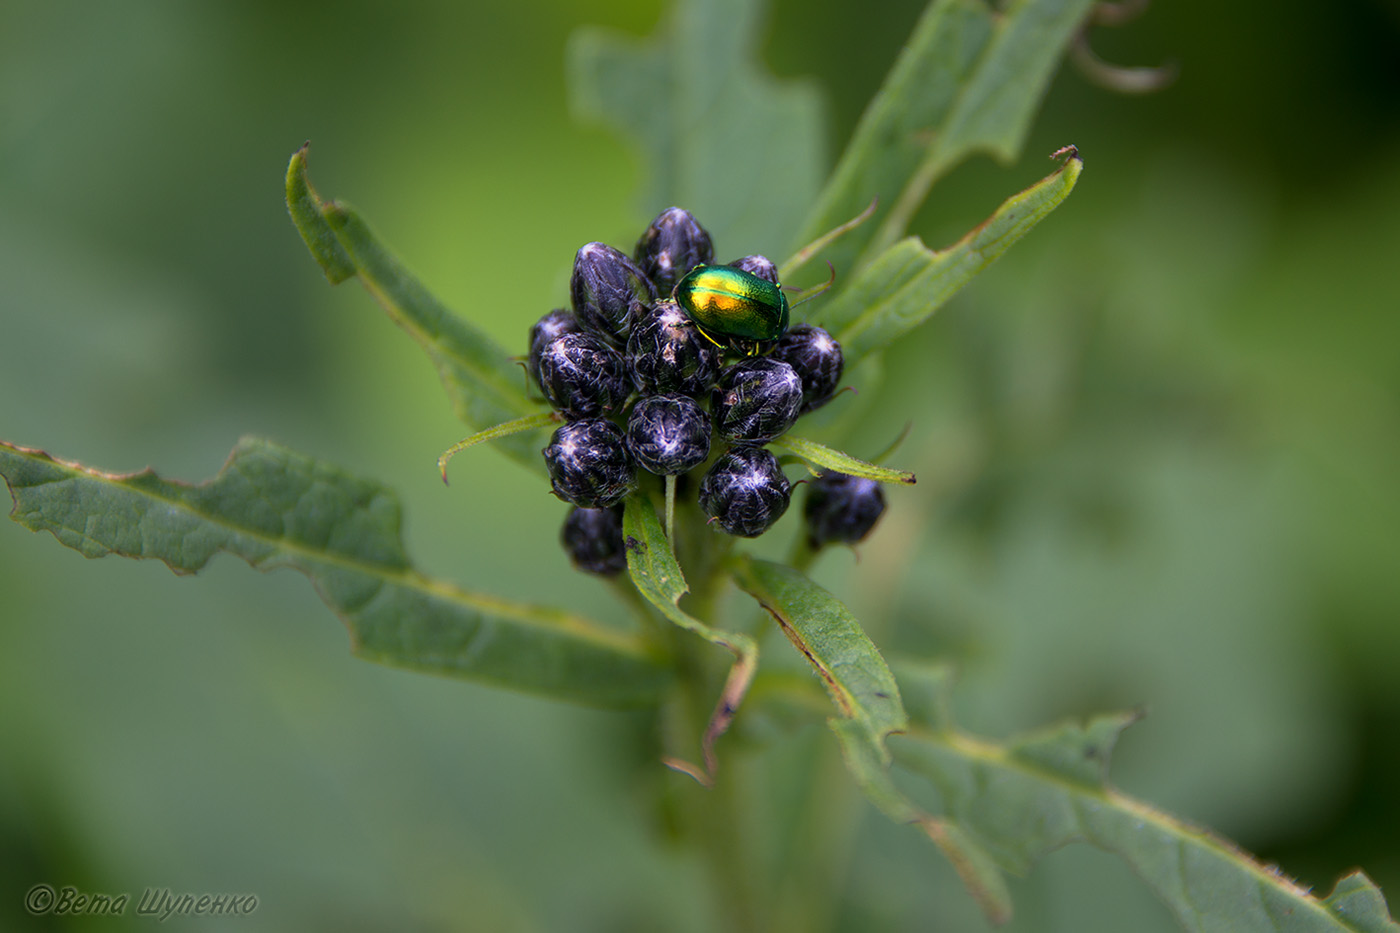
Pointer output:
967, 81
1038, 793
970, 860
654, 569
1357, 902
828, 459
908, 282
483, 385
1074, 752
720, 137
276, 508
832, 641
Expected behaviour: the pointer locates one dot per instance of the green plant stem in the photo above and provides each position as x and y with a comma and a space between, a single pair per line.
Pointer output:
670, 507
811, 887
716, 820
720, 822
729, 849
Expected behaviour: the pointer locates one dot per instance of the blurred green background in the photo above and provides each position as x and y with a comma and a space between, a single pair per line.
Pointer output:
1158, 445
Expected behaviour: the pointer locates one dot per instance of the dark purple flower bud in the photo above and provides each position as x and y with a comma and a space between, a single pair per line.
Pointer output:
582, 376
756, 400
593, 540
556, 323
759, 266
609, 291
842, 508
816, 356
674, 244
589, 463
668, 434
666, 353
745, 491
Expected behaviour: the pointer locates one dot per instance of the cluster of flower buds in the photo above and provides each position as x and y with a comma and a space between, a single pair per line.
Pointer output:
646, 377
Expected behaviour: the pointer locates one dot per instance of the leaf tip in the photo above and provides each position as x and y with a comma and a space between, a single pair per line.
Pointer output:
309, 214
693, 771
1068, 153
296, 174
1078, 751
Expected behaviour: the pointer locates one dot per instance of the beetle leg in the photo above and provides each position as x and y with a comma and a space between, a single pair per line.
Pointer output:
704, 333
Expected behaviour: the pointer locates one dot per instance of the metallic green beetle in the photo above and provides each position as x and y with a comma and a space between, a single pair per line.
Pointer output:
732, 307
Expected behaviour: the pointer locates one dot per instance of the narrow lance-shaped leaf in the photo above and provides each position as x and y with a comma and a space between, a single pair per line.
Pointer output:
832, 641
495, 433
484, 386
904, 286
721, 137
822, 456
968, 80
273, 508
654, 569
1039, 792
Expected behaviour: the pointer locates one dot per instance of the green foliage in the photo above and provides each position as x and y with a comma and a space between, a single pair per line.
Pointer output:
483, 385
901, 288
741, 150
657, 575
1038, 792
832, 641
275, 508
720, 137
967, 81
819, 455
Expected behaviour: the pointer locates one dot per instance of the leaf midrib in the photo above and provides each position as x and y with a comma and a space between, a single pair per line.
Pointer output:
406, 577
